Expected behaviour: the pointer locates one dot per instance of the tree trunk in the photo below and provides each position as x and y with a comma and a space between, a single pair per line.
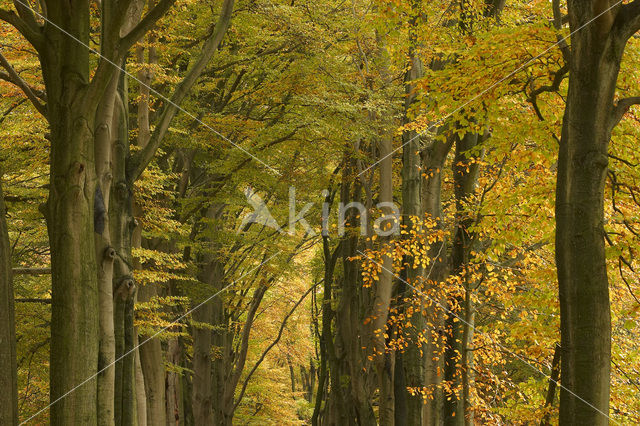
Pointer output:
9, 372
433, 160
141, 395
174, 385
467, 356
464, 176
69, 214
326, 340
222, 340
152, 362
122, 224
240, 358
349, 399
202, 404
553, 384
107, 127
412, 362
599, 33
596, 51
384, 288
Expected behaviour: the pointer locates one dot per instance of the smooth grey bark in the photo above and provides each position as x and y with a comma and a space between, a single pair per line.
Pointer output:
153, 371
384, 289
433, 160
122, 223
9, 372
115, 285
107, 123
590, 115
140, 392
412, 364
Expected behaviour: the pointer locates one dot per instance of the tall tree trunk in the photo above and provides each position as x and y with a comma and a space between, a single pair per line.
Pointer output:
9, 373
433, 160
240, 358
412, 362
211, 273
202, 404
175, 410
590, 115
141, 394
69, 214
326, 340
153, 371
349, 399
464, 176
222, 340
122, 224
107, 128
384, 289
467, 355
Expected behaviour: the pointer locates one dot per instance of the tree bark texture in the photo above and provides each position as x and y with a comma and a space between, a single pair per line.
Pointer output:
9, 371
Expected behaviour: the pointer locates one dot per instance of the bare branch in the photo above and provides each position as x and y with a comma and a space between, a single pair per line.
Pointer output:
275, 342
27, 15
32, 34
31, 271
620, 109
7, 112
145, 24
33, 300
13, 77
558, 21
627, 21
558, 76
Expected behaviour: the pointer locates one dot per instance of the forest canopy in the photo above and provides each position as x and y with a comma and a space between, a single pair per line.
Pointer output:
393, 212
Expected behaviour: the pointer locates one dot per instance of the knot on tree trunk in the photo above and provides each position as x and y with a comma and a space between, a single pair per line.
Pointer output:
110, 253
125, 288
121, 191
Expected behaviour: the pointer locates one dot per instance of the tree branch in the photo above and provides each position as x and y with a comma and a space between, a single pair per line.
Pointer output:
275, 342
145, 24
140, 161
620, 109
33, 300
628, 19
13, 77
31, 271
558, 76
32, 34
27, 15
6, 114
241, 355
558, 21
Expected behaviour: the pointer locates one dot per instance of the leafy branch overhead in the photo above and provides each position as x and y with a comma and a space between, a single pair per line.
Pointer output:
319, 212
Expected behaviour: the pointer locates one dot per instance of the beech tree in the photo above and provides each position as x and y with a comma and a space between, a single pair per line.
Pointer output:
8, 378
600, 31
165, 282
